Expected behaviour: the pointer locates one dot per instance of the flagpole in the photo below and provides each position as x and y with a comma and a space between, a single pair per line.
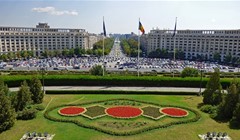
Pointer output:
138, 50
174, 52
103, 50
173, 55
174, 40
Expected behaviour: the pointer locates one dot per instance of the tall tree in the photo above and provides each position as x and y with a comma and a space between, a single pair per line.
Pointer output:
228, 59
213, 92
226, 108
7, 113
23, 97
4, 87
217, 57
36, 90
65, 52
235, 121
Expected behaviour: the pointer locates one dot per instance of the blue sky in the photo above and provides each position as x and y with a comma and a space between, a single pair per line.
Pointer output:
121, 16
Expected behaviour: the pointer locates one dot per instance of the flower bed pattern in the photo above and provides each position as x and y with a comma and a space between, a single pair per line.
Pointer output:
152, 112
123, 112
71, 111
174, 112
120, 127
94, 112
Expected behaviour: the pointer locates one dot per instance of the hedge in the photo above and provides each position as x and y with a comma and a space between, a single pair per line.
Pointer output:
89, 80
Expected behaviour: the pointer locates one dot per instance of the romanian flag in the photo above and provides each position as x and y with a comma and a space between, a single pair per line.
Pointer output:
141, 28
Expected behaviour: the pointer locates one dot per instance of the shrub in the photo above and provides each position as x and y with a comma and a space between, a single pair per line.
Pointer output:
96, 70
39, 107
208, 109
27, 114
189, 72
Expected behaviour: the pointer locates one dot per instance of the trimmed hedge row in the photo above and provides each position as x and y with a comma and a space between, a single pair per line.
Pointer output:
118, 92
112, 132
89, 80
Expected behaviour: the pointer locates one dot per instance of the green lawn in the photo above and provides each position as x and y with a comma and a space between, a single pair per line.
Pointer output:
67, 131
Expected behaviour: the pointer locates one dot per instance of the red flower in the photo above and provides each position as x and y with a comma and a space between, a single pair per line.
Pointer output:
71, 111
174, 112
123, 112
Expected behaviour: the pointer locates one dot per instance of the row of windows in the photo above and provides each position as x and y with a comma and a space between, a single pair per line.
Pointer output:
190, 39
53, 34
40, 37
196, 36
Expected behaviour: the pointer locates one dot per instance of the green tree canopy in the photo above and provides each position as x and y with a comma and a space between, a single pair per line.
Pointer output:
189, 72
235, 121
36, 90
228, 105
213, 93
23, 97
97, 70
108, 44
7, 113
4, 87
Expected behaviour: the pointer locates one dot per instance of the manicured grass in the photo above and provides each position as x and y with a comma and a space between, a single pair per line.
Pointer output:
66, 131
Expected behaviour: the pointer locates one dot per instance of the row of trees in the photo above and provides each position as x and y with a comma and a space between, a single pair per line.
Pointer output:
98, 47
163, 53
78, 51
17, 55
19, 105
130, 47
228, 59
222, 106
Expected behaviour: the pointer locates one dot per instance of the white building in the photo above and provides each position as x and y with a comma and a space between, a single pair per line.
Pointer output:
14, 39
92, 39
196, 42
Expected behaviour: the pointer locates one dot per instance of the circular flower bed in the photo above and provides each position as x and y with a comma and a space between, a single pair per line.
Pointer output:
174, 112
123, 112
71, 111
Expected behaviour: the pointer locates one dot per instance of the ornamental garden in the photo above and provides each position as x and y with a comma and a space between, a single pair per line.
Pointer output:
122, 117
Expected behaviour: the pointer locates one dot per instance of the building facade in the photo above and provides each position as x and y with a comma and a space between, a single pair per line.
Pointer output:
41, 38
195, 43
92, 39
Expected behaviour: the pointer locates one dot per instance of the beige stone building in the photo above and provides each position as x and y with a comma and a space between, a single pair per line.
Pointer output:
196, 43
14, 39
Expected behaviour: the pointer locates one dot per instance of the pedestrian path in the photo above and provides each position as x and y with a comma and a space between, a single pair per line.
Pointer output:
163, 89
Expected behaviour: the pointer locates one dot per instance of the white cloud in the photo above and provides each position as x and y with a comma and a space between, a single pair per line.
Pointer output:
53, 11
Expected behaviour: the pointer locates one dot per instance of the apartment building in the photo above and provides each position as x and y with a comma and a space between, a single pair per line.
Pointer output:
41, 38
196, 43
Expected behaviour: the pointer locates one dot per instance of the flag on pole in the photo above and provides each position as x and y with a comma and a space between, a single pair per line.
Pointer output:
140, 27
104, 29
174, 32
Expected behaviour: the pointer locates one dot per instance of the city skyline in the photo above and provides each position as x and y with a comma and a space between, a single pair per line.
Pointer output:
122, 16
